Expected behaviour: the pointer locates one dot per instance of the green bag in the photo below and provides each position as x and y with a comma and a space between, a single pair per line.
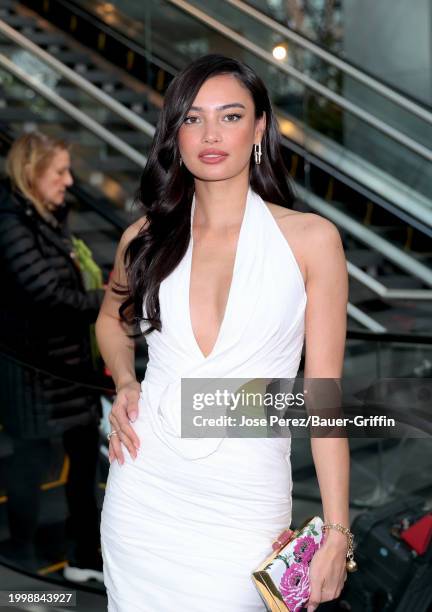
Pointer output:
92, 279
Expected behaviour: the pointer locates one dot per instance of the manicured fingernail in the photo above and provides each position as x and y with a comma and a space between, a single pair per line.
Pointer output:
133, 416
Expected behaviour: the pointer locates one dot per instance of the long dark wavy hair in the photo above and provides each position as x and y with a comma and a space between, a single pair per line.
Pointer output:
166, 187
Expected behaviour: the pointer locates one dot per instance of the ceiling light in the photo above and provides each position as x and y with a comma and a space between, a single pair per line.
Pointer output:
279, 52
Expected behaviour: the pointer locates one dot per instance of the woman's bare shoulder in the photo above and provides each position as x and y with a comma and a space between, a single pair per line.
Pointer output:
294, 223
313, 239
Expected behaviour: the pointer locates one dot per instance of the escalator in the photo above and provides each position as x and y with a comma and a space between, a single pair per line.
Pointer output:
372, 184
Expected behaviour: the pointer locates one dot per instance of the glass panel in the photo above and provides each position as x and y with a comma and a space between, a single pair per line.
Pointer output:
382, 359
318, 20
47, 472
177, 37
392, 44
381, 469
94, 161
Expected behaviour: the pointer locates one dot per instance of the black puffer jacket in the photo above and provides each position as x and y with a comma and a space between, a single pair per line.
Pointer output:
45, 314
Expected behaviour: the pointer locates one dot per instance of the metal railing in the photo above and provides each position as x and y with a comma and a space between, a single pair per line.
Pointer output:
307, 81
364, 319
76, 114
386, 191
330, 58
78, 80
385, 292
384, 247
367, 236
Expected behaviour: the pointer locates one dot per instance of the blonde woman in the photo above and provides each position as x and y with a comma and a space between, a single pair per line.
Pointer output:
45, 314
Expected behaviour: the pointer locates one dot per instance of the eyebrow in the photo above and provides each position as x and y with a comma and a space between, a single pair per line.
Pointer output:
219, 108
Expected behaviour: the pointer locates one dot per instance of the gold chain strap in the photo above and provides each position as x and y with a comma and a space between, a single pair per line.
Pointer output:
351, 565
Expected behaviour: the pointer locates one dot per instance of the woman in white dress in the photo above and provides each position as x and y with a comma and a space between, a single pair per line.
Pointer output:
226, 281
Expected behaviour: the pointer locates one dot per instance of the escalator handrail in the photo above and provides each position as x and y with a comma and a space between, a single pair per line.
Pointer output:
97, 128
89, 15
65, 70
404, 212
400, 200
355, 73
306, 80
79, 81
367, 236
388, 337
111, 139
364, 319
385, 292
79, 116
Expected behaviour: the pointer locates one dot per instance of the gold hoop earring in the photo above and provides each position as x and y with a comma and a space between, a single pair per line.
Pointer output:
257, 153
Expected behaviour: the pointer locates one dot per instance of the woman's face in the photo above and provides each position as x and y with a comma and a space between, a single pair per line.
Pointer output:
52, 184
220, 129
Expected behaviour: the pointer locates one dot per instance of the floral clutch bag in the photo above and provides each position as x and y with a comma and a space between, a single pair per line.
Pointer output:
283, 578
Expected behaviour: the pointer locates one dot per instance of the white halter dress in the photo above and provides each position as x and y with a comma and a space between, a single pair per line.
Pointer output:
185, 524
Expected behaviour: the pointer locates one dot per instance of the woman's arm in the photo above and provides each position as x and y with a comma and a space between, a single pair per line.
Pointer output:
118, 352
116, 347
327, 291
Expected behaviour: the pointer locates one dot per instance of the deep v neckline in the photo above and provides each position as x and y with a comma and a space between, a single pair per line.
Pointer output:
231, 287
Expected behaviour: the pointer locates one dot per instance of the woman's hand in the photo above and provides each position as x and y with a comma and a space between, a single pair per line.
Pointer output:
327, 570
125, 409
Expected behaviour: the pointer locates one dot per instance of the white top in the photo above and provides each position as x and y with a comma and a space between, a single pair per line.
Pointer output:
261, 335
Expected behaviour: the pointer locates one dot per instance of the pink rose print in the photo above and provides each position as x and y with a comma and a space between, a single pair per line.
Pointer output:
305, 549
295, 586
